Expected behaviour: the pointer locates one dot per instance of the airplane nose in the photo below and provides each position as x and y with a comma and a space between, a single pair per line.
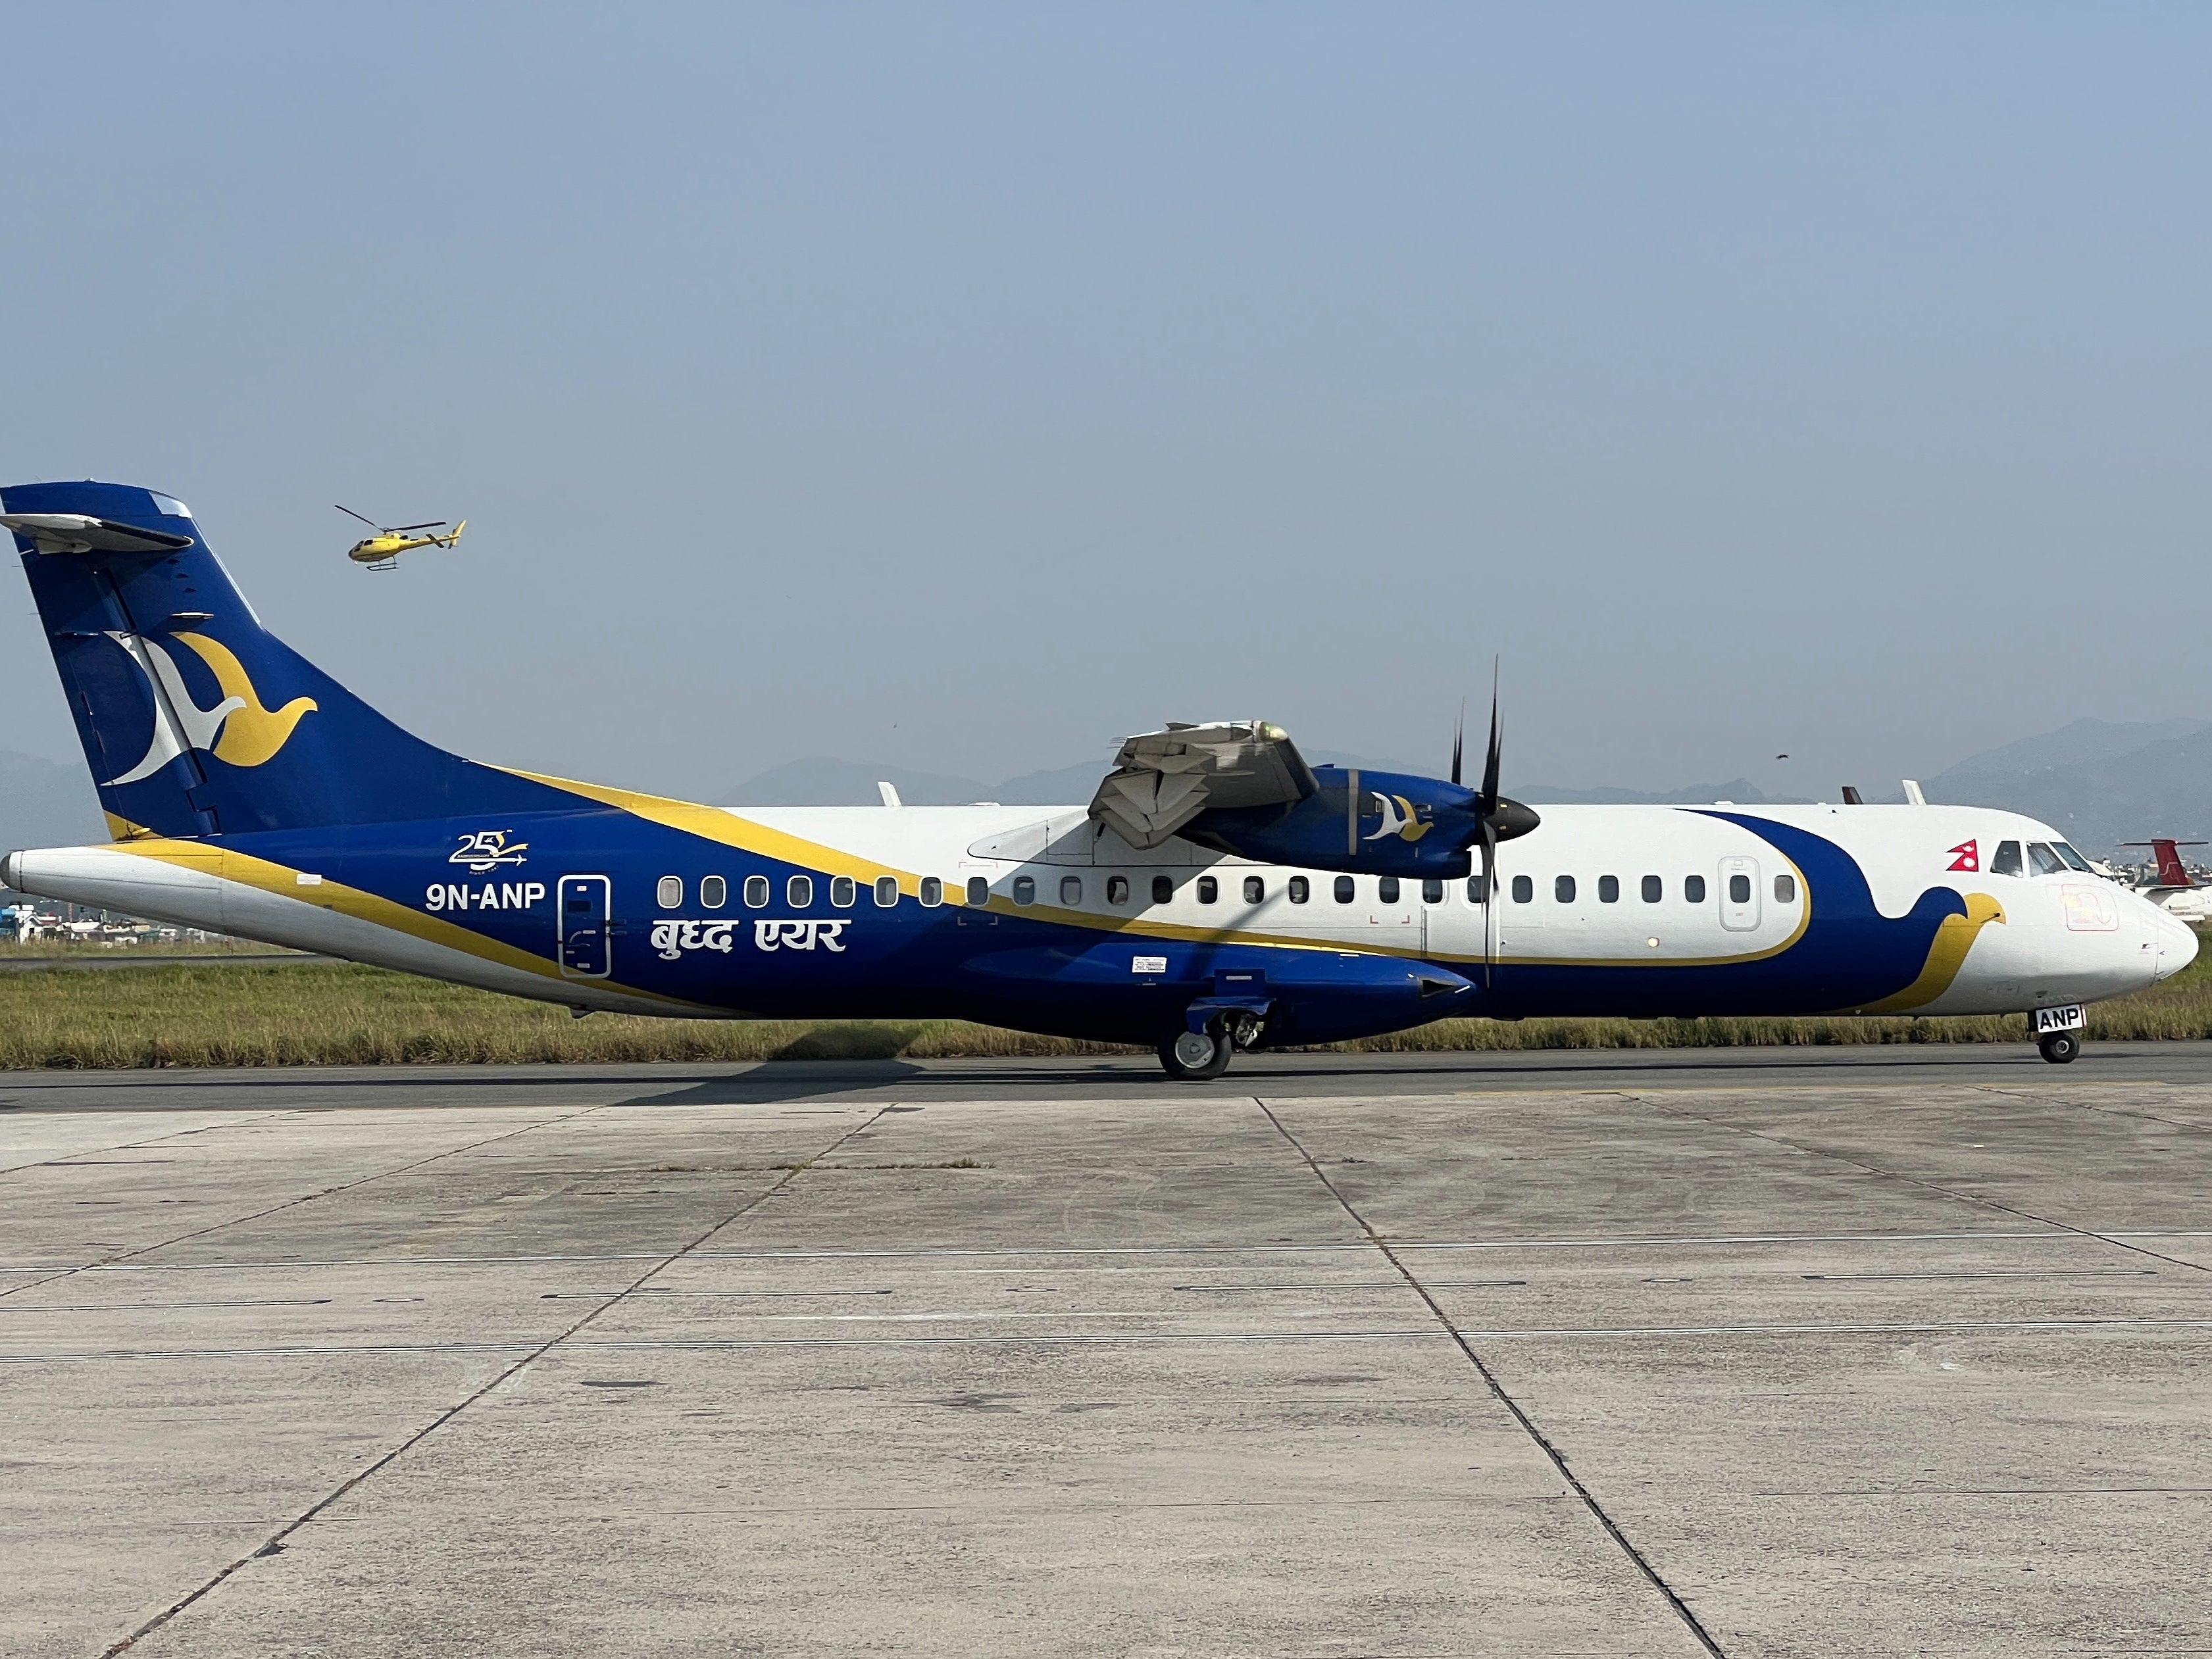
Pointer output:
2176, 944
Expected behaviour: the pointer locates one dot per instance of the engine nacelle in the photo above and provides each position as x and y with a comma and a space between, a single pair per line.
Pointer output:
1384, 824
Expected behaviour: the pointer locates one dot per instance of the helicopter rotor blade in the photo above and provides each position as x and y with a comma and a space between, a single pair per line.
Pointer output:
427, 523
364, 518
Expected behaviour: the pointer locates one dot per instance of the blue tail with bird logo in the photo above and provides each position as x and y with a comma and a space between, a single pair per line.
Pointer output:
196, 719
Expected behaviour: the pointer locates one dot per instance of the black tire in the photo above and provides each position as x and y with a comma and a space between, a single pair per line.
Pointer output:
1182, 1059
2060, 1047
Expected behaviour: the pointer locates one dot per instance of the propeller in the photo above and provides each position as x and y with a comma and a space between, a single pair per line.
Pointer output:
1486, 811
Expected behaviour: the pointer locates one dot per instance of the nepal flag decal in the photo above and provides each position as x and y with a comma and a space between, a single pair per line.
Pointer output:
1966, 856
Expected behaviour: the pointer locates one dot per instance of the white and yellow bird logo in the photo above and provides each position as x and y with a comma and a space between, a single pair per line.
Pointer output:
237, 731
1400, 817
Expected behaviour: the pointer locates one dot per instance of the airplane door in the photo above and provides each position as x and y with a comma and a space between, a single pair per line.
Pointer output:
1740, 894
583, 913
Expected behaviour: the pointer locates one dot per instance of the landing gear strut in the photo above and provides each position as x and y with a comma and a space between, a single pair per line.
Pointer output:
2060, 1047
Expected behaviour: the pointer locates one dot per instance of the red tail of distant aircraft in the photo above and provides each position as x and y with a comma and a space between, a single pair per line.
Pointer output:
2166, 851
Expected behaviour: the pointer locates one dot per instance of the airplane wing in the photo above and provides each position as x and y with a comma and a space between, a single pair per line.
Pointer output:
1162, 779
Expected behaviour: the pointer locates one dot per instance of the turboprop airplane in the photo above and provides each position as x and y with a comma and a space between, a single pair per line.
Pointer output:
1217, 894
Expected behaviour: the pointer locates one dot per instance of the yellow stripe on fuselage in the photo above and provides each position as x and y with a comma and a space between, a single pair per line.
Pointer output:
1946, 955
227, 864
729, 829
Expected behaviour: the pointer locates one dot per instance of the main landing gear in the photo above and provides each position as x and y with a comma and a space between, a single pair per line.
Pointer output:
2059, 1047
1196, 1056
1202, 1056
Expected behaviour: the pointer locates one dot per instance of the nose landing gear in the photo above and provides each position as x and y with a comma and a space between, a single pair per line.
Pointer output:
2059, 1047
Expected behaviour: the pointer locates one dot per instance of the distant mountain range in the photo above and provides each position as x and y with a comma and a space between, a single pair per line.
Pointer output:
823, 783
2102, 781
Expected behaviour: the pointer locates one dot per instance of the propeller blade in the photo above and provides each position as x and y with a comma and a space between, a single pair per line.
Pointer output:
1488, 802
1489, 900
364, 518
1459, 739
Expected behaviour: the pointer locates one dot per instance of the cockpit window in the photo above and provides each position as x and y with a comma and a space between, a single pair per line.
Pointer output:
2007, 861
2072, 859
2043, 860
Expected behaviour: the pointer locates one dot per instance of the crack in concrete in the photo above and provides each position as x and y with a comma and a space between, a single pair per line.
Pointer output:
275, 1542
1529, 1427
2117, 1241
109, 1262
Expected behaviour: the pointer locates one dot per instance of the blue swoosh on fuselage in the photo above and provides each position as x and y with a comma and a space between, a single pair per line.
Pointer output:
1849, 955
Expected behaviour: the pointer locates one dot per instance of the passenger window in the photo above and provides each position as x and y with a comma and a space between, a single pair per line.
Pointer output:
886, 892
2007, 861
2043, 860
756, 890
1024, 890
1344, 890
1432, 892
1524, 890
1386, 890
1654, 890
1256, 889
1475, 889
1208, 889
669, 893
1117, 890
799, 892
1163, 889
843, 891
2073, 860
1786, 890
714, 892
1608, 889
1301, 889
932, 892
1694, 888
1739, 889
1070, 890
1563, 890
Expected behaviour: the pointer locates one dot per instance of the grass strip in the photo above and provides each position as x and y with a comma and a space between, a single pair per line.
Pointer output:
341, 1014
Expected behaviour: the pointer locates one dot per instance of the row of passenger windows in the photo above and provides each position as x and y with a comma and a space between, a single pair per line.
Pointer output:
844, 891
1653, 888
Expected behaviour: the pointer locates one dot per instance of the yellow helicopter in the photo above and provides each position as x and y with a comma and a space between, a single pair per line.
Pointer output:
381, 551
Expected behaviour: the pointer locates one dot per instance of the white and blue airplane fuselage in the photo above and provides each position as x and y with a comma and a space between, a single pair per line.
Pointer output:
249, 794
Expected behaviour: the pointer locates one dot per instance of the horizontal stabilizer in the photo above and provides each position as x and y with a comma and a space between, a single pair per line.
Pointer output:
78, 532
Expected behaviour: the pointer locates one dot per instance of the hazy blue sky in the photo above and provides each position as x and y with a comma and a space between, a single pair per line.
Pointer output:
968, 386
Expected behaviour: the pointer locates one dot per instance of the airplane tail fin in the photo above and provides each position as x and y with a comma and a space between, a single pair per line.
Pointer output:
195, 720
2165, 853
2171, 871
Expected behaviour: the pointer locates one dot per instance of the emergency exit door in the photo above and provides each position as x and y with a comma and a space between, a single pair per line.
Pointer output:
585, 914
1740, 894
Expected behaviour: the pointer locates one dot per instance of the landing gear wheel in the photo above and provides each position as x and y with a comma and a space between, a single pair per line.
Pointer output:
2060, 1047
1196, 1056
